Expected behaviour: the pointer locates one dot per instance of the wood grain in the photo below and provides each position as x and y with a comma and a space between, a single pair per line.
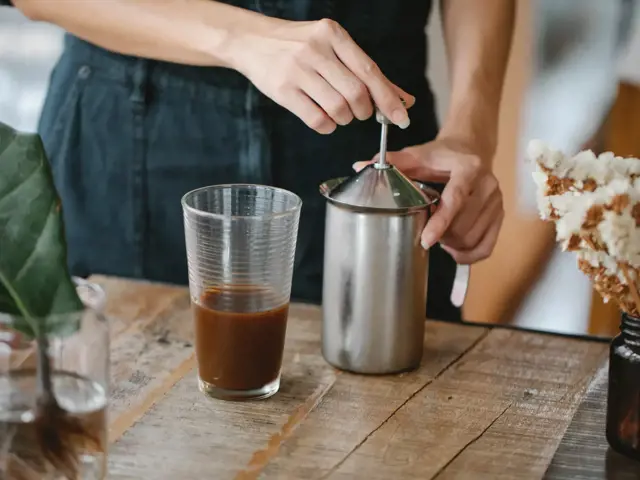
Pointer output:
498, 413
583, 452
484, 403
151, 345
331, 412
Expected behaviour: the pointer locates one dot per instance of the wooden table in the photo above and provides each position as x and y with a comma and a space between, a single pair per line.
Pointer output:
485, 403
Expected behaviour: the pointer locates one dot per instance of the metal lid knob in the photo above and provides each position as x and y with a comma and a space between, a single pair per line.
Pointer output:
381, 118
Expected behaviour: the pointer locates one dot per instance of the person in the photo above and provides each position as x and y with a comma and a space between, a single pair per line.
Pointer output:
150, 100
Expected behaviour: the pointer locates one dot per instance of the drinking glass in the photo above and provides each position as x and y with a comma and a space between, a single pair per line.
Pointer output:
79, 357
241, 242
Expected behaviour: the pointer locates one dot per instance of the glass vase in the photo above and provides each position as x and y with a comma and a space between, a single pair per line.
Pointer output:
78, 350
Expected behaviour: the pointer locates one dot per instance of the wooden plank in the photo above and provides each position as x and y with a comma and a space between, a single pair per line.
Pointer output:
583, 452
319, 417
498, 413
484, 404
131, 303
151, 345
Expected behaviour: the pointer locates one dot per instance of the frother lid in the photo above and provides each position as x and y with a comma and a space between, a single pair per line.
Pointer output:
379, 188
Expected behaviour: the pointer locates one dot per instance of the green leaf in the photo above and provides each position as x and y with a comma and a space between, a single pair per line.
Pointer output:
36, 289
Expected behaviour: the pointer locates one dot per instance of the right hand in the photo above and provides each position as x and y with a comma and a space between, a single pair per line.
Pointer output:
316, 70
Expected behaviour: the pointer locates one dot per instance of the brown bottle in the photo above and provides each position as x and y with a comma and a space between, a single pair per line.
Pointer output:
623, 404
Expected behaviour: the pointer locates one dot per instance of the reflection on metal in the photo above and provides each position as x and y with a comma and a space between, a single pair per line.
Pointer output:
387, 190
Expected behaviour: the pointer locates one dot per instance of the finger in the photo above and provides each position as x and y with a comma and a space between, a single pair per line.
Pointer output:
308, 111
441, 160
360, 165
348, 85
453, 197
384, 95
406, 163
327, 98
410, 164
482, 250
470, 225
469, 228
409, 100
416, 165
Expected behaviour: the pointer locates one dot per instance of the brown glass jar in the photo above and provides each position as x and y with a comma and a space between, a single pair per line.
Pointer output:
623, 403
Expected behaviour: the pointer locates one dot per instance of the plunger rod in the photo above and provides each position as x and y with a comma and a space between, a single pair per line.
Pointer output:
382, 159
384, 122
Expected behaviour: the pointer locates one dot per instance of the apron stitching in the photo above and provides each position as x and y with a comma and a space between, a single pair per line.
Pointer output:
251, 162
138, 98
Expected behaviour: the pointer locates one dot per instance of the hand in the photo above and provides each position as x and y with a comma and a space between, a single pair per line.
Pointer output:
315, 70
470, 214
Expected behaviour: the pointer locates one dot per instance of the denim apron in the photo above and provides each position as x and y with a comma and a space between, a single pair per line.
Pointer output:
127, 137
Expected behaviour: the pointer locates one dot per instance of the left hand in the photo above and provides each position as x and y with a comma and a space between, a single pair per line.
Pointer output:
470, 214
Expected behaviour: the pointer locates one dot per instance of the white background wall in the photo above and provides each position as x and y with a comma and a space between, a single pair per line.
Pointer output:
437, 71
28, 51
629, 64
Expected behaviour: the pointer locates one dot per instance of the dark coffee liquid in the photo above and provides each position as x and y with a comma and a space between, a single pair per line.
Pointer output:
240, 350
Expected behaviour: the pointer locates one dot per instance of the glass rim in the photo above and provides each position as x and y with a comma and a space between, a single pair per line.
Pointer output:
188, 208
95, 300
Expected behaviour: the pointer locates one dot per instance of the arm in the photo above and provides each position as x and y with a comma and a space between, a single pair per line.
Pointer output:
478, 38
470, 213
314, 69
196, 32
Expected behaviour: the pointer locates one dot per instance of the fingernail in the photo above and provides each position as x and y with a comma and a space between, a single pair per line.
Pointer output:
401, 118
427, 242
358, 166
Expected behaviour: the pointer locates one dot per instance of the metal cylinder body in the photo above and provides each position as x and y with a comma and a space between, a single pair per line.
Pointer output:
375, 290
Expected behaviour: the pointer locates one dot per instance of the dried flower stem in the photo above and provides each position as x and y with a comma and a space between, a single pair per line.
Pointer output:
589, 242
633, 288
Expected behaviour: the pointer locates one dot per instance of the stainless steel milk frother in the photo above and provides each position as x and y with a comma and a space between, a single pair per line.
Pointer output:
461, 280
375, 270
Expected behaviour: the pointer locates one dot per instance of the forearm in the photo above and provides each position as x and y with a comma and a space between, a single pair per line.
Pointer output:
478, 38
195, 32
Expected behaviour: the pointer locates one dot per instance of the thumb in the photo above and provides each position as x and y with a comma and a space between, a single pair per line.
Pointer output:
453, 197
404, 160
413, 162
360, 165
408, 162
416, 163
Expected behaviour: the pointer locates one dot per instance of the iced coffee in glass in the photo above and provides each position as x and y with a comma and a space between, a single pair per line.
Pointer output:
241, 242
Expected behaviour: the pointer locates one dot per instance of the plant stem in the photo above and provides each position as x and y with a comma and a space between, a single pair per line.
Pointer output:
45, 383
